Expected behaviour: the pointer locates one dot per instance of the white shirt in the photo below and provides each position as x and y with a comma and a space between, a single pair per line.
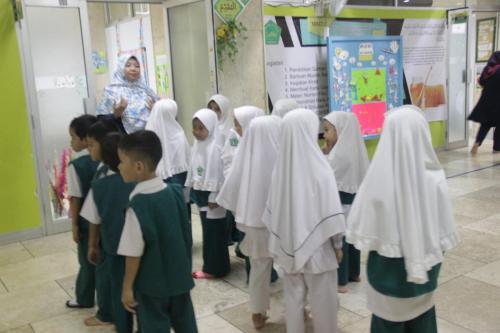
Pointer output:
74, 188
131, 242
89, 209
229, 150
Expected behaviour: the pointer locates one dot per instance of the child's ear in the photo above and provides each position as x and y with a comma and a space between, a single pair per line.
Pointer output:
138, 166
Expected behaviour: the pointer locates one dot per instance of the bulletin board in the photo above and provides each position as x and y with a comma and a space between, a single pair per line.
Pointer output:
365, 76
485, 38
132, 37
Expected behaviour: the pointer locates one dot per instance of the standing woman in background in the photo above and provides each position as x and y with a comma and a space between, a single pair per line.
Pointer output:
487, 110
127, 100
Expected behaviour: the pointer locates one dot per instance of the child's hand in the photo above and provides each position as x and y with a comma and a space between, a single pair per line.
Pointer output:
339, 255
128, 300
92, 255
76, 234
213, 205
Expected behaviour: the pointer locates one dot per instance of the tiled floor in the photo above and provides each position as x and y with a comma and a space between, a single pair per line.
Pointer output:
37, 276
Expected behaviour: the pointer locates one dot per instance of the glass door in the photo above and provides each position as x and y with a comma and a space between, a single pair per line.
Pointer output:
457, 126
191, 44
56, 51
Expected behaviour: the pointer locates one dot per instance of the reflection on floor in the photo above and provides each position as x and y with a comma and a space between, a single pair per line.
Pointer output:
37, 276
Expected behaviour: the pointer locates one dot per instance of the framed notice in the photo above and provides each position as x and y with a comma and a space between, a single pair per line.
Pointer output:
485, 39
365, 76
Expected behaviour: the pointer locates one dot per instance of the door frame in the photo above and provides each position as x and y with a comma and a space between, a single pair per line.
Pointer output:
210, 38
450, 14
49, 225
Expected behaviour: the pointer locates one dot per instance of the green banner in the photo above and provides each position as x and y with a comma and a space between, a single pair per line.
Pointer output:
371, 13
228, 10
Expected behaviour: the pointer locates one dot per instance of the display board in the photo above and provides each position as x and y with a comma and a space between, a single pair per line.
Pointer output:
295, 50
485, 38
365, 76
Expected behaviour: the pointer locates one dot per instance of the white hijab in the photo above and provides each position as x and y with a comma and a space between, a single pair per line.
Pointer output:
225, 122
205, 173
403, 207
303, 210
348, 157
246, 188
176, 150
244, 114
283, 106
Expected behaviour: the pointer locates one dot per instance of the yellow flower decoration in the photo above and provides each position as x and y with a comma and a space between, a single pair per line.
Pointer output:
227, 37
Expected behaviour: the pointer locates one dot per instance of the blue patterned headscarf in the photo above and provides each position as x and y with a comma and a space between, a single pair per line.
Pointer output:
137, 94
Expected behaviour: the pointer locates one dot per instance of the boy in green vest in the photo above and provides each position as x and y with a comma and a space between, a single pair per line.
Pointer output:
155, 241
81, 170
103, 208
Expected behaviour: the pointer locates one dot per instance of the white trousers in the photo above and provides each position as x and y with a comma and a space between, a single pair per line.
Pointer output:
323, 298
259, 284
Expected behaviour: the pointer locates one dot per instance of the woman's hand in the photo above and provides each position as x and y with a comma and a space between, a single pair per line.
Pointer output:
119, 108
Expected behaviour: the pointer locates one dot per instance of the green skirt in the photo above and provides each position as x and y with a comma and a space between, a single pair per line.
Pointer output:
350, 266
215, 251
425, 323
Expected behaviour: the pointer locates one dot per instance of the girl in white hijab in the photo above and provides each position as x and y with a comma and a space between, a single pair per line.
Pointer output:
245, 193
242, 117
348, 158
306, 224
283, 106
205, 179
174, 164
222, 107
402, 214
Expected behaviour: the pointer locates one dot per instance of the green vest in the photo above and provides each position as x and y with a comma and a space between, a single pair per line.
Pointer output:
165, 266
85, 169
200, 198
346, 198
179, 178
101, 172
388, 277
111, 195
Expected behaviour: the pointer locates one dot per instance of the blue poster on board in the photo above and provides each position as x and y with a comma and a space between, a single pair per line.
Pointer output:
365, 76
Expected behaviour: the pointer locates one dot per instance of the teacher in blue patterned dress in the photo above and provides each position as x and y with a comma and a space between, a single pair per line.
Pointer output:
127, 100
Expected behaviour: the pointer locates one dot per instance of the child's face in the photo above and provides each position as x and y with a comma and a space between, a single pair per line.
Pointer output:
76, 143
212, 105
237, 127
132, 70
94, 149
128, 167
200, 132
330, 133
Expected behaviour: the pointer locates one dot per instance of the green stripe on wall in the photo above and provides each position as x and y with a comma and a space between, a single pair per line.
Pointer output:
393, 13
18, 202
385, 13
438, 133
